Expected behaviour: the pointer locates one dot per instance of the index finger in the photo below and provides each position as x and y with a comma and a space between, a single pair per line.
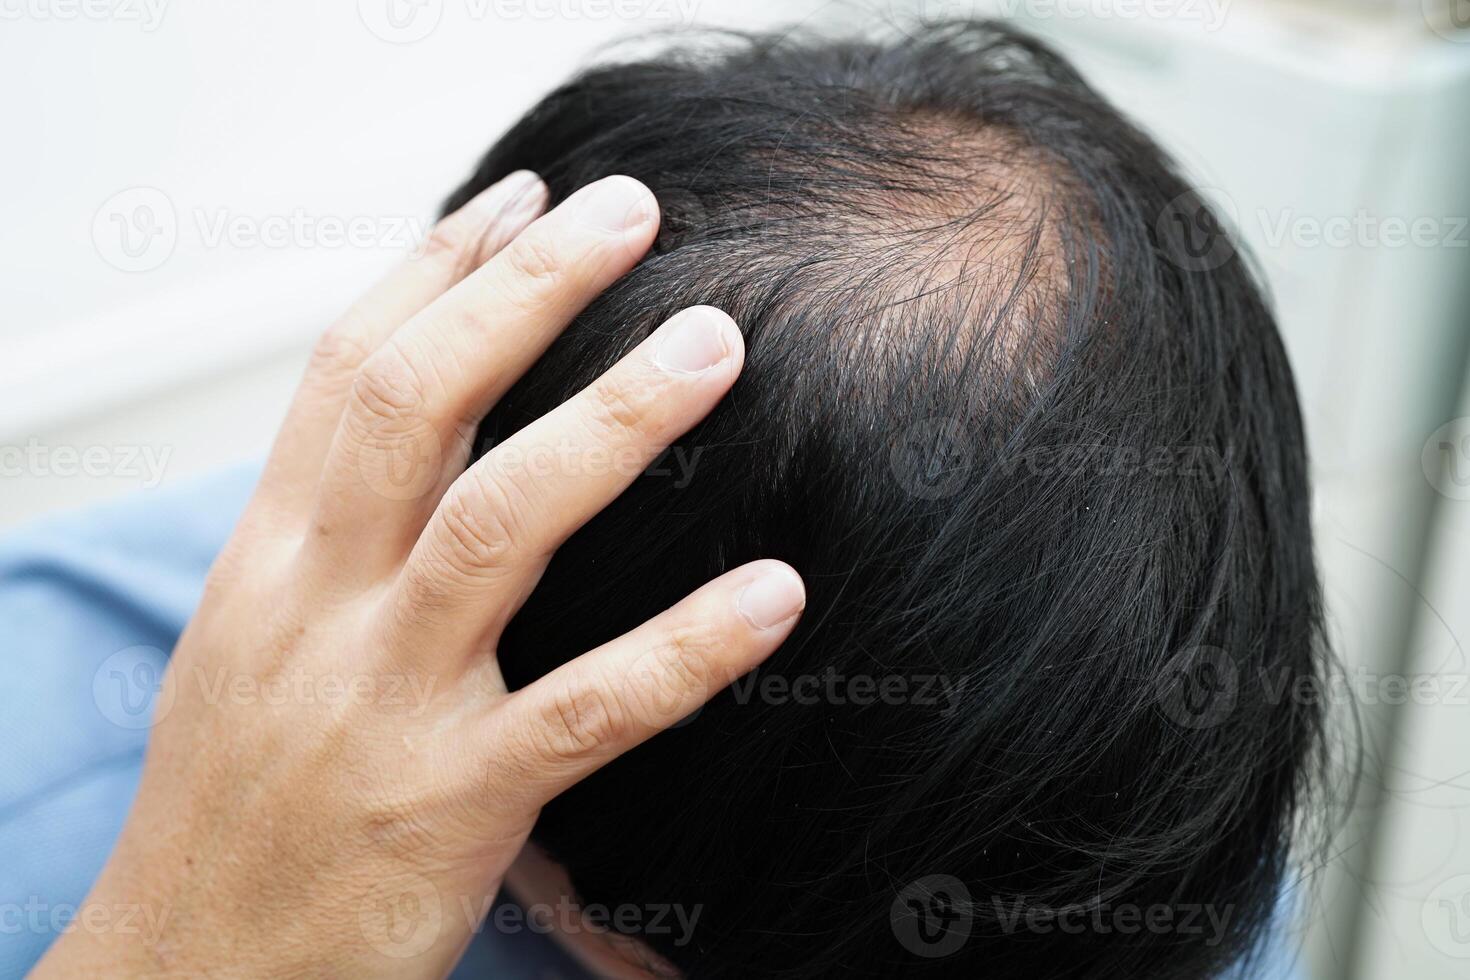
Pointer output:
459, 244
558, 730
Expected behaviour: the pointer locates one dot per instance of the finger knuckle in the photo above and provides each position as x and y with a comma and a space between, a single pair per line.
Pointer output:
342, 349
620, 405
678, 672
432, 585
397, 825
481, 528
579, 719
450, 238
387, 386
535, 262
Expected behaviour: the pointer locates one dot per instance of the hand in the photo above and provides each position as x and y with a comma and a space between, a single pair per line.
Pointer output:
337, 779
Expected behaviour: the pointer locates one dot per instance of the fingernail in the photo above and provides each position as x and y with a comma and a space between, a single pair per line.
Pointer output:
503, 210
505, 193
520, 188
773, 598
694, 341
616, 204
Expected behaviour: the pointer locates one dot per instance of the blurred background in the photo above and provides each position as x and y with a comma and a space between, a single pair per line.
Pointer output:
193, 190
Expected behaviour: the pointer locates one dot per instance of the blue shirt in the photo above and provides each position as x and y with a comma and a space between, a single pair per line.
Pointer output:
91, 603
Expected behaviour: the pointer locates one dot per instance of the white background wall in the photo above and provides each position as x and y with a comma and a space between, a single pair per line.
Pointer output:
1319, 129
244, 134
179, 350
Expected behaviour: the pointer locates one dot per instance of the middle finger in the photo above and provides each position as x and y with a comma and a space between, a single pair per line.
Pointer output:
406, 431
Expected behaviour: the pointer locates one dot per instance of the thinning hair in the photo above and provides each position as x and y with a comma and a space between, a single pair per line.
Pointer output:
1042, 469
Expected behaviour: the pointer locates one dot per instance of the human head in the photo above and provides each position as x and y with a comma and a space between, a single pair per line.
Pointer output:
1041, 467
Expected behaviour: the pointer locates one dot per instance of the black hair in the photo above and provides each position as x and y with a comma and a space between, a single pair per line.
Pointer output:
1017, 411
